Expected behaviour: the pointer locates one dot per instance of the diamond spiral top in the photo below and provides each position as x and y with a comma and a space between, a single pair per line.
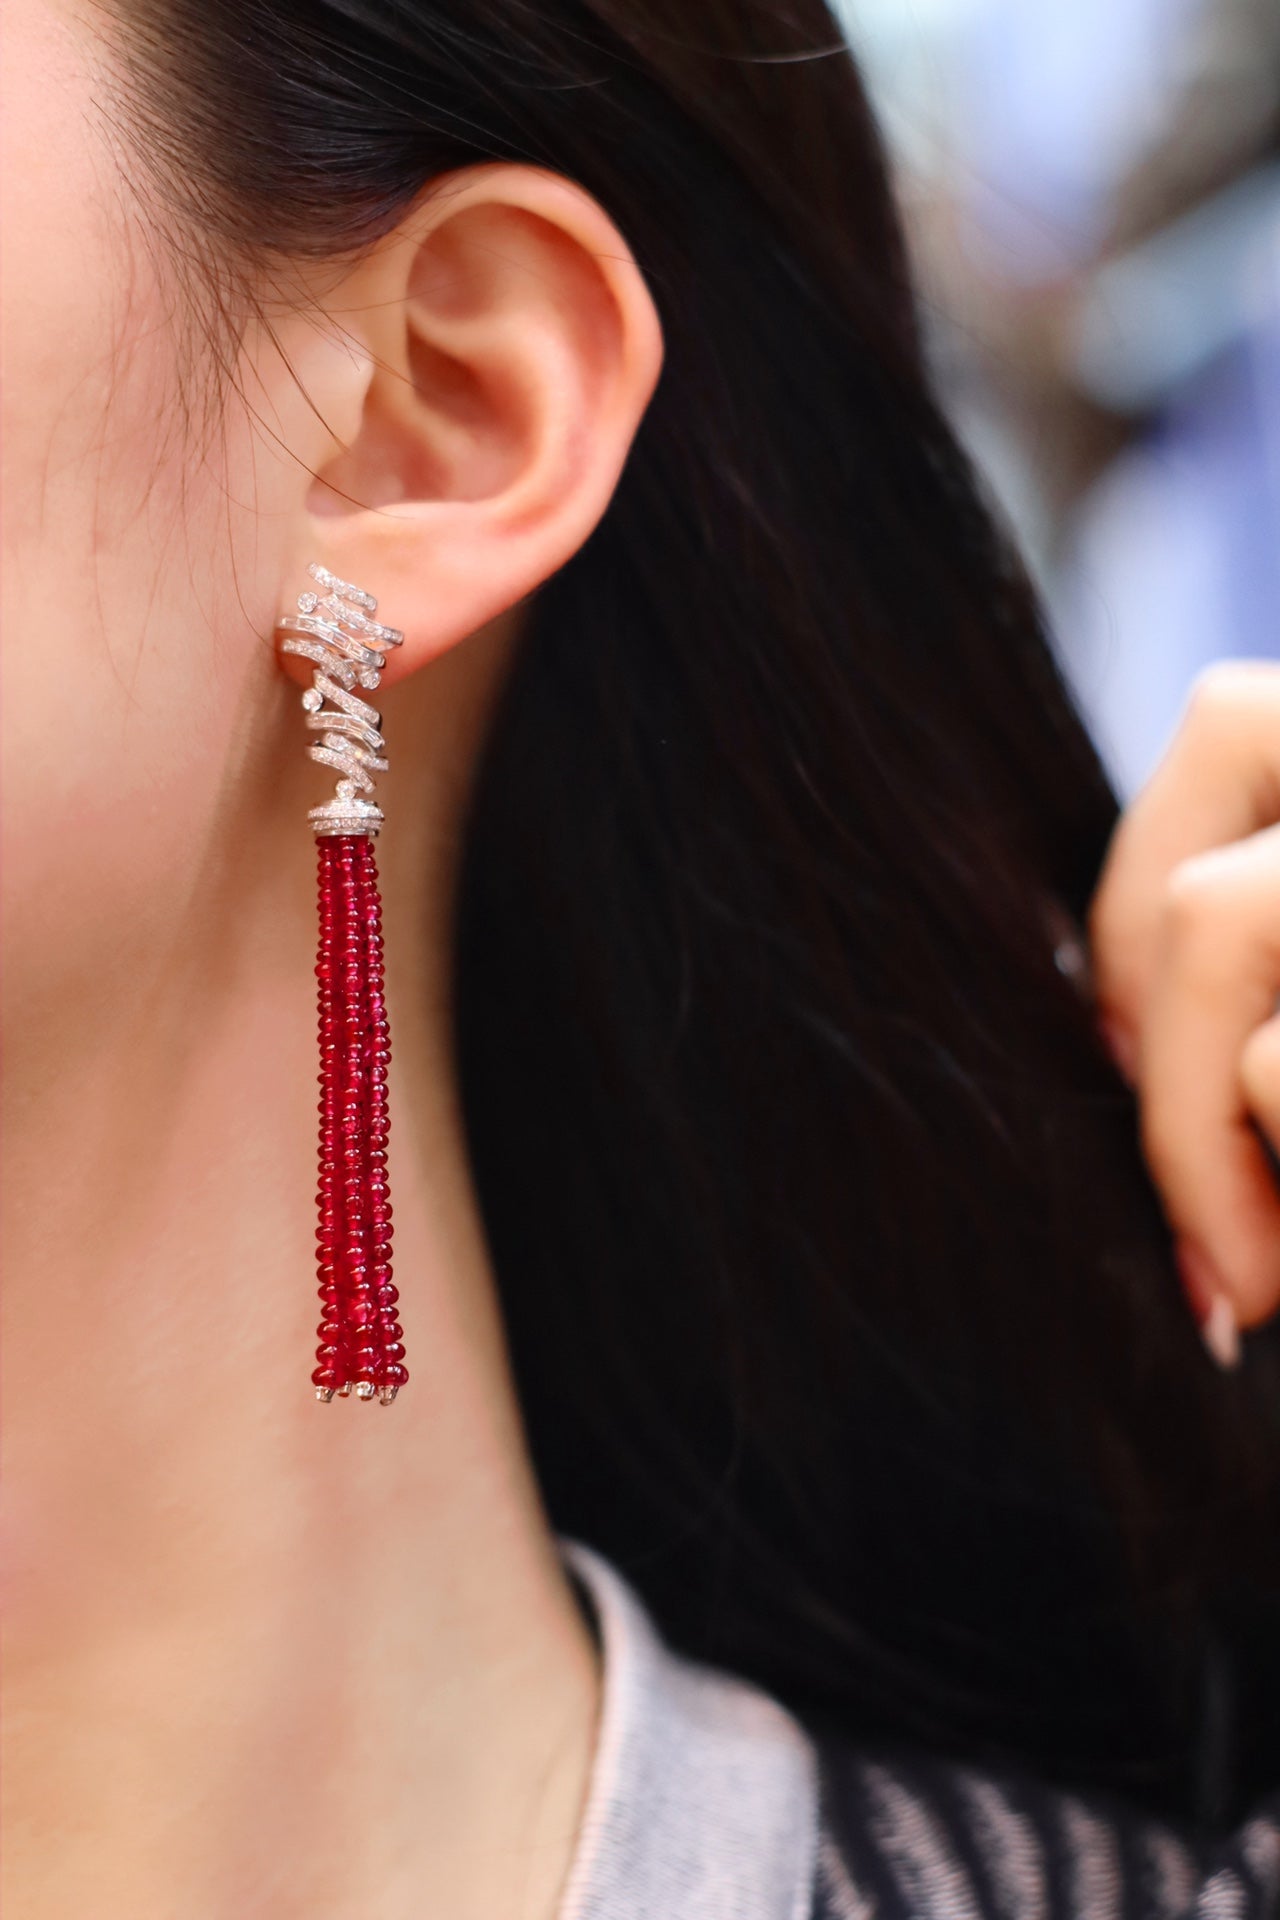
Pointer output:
335, 631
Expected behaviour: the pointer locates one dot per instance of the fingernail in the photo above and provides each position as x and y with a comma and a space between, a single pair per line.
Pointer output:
1211, 1305
1121, 1046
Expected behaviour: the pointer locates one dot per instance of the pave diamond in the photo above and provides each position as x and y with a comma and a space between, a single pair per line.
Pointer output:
346, 648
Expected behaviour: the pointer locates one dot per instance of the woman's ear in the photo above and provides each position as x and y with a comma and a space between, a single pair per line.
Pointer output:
495, 353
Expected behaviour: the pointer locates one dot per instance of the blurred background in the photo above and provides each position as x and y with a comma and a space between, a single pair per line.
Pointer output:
1093, 193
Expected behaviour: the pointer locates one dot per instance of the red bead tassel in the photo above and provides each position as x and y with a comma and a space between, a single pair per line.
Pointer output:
360, 1334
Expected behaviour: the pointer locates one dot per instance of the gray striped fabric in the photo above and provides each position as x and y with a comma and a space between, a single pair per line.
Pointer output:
708, 1801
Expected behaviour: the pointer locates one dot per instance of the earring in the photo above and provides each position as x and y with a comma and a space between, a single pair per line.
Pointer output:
360, 1333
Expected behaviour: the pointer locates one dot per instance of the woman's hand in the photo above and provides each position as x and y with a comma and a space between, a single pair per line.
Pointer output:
1185, 929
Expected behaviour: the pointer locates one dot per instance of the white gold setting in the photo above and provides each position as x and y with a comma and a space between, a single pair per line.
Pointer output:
333, 630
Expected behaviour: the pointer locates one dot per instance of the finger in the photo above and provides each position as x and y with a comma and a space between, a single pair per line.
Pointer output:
1260, 1078
1218, 782
1212, 988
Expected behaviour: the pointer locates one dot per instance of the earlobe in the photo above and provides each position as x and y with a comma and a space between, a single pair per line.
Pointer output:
510, 347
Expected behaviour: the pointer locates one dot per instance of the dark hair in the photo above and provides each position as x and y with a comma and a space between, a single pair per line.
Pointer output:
842, 1310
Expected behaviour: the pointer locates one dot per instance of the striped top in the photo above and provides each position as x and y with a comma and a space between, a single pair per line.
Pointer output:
709, 1801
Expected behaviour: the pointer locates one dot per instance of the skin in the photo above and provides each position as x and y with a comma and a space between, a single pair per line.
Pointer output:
262, 1656
1186, 938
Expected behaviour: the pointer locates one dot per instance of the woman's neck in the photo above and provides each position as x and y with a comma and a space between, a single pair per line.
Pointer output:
263, 1656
